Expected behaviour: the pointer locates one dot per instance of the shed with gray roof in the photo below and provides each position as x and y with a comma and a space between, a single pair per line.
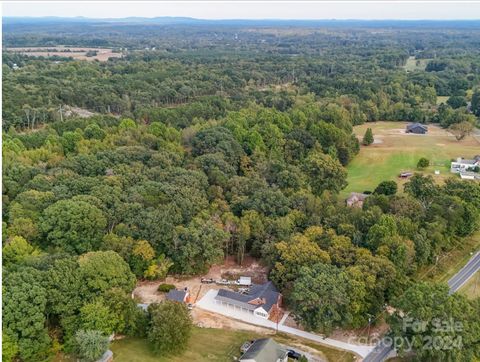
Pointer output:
177, 295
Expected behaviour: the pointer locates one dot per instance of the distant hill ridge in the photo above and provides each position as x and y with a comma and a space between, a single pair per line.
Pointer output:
169, 20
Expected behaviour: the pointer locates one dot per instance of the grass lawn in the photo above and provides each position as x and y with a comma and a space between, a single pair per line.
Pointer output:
395, 151
442, 99
208, 344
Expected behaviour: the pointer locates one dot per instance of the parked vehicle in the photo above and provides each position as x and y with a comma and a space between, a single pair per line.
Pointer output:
246, 346
293, 354
207, 280
223, 282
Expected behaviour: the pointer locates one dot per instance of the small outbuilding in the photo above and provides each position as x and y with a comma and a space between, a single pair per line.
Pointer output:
176, 295
405, 174
356, 199
417, 128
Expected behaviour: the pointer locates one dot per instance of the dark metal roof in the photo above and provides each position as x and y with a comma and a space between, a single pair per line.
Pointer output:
266, 291
264, 350
176, 295
415, 125
240, 300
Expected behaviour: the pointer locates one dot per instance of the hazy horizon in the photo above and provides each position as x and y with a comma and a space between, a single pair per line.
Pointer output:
249, 10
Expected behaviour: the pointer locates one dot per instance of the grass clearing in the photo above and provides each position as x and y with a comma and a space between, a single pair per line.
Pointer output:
395, 151
209, 344
413, 64
442, 99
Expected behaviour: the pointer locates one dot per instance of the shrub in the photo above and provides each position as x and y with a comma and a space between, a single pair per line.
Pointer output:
386, 188
423, 163
165, 288
90, 345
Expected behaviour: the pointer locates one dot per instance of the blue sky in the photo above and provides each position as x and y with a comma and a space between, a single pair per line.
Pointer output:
250, 9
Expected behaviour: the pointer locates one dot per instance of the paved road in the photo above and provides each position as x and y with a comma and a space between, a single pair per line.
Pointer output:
473, 265
382, 350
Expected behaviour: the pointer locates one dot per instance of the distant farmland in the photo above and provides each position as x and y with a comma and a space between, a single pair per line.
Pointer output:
395, 151
414, 64
82, 53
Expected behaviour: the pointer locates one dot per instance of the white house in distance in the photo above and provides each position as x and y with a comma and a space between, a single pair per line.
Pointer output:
463, 165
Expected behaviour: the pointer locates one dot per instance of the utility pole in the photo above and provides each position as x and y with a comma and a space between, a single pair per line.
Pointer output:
369, 322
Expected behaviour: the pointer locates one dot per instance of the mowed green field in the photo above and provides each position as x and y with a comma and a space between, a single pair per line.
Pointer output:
209, 344
395, 151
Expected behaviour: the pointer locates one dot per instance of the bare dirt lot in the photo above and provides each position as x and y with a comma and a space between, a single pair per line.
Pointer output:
147, 291
102, 54
205, 319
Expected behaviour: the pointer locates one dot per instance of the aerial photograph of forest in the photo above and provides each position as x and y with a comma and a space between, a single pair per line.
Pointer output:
240, 181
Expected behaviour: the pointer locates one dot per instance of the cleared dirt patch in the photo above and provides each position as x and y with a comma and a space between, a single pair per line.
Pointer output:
205, 319
147, 292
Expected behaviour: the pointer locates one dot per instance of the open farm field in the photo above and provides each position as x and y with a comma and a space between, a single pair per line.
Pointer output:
395, 151
101, 54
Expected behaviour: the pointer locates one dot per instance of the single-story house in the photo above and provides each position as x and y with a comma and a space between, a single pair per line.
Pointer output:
178, 295
265, 350
463, 165
262, 299
356, 199
417, 128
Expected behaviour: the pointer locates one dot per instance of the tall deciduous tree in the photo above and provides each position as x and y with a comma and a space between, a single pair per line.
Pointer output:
324, 173
24, 305
103, 270
438, 326
170, 327
386, 188
98, 316
320, 297
75, 227
462, 129
16, 251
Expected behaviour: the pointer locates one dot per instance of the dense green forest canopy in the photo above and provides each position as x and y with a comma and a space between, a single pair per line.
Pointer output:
203, 151
359, 68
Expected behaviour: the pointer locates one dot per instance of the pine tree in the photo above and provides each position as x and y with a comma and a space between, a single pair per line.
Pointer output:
368, 137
